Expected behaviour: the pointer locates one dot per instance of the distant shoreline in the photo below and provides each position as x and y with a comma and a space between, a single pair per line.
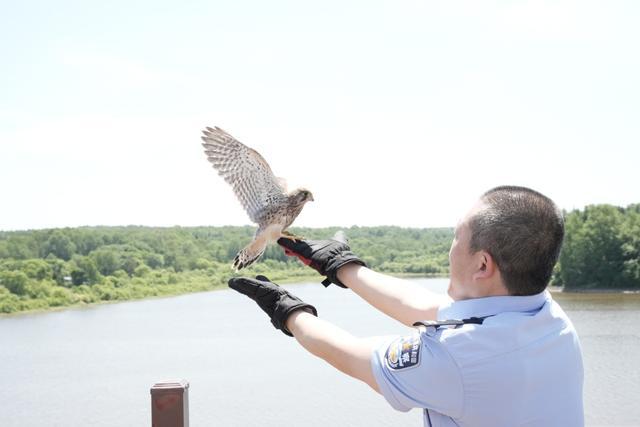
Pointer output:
593, 290
294, 280
82, 305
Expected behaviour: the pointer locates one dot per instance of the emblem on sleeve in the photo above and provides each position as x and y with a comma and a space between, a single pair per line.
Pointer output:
404, 353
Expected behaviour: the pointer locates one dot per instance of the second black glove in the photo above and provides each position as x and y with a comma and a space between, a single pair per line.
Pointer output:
272, 299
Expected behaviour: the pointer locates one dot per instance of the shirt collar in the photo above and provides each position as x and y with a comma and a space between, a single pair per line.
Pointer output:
489, 306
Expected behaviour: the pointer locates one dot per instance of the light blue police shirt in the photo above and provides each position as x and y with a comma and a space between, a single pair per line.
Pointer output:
521, 367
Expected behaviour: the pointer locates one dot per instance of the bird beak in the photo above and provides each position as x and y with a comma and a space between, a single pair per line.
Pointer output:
311, 198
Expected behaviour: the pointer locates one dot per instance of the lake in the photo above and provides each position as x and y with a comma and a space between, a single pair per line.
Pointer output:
94, 366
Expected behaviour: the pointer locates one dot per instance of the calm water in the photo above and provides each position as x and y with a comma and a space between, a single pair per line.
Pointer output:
94, 366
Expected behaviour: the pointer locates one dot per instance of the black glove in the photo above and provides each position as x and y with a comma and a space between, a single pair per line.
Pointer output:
324, 256
272, 299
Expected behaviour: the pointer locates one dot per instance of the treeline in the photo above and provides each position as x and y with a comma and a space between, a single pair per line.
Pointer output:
50, 268
601, 249
40, 269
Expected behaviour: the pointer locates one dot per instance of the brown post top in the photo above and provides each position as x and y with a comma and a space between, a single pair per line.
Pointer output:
170, 404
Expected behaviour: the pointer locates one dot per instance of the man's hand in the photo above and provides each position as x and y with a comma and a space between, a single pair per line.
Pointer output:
324, 256
272, 299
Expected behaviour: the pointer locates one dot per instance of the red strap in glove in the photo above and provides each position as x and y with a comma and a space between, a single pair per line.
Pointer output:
324, 256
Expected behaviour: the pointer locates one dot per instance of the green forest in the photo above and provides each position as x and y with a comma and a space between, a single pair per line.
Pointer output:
601, 249
43, 269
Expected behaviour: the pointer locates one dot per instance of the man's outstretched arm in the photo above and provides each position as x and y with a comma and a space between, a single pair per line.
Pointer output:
295, 317
348, 354
397, 298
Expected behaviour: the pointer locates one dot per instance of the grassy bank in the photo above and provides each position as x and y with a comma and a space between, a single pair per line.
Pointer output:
167, 283
45, 295
40, 297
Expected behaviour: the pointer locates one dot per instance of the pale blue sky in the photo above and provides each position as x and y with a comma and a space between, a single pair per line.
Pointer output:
395, 112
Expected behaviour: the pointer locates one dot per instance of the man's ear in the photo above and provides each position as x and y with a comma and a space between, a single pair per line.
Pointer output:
486, 266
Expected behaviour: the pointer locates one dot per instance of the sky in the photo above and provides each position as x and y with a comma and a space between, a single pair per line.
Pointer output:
390, 112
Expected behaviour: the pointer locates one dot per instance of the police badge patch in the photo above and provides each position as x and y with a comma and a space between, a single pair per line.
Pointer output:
404, 352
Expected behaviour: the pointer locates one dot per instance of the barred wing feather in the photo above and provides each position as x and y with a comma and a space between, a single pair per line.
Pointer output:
245, 170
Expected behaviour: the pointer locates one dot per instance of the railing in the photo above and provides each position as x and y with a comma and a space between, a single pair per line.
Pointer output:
170, 404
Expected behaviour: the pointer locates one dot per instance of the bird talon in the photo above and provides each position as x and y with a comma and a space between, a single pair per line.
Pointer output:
291, 236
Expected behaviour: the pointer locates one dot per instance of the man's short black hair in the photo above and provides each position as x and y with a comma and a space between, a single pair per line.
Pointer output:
523, 231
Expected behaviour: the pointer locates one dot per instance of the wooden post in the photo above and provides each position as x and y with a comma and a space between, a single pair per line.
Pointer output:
170, 404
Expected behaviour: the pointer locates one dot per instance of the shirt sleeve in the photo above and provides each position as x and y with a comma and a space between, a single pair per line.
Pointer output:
416, 371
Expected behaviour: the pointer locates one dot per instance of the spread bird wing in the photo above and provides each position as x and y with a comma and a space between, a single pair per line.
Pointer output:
245, 170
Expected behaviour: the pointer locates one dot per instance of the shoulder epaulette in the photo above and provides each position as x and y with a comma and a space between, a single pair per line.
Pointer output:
451, 322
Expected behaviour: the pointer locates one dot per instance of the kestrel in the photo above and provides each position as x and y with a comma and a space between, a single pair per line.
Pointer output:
262, 194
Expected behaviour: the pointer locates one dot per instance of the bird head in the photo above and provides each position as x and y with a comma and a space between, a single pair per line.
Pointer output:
301, 196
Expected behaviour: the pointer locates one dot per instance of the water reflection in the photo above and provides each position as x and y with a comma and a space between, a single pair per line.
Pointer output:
598, 301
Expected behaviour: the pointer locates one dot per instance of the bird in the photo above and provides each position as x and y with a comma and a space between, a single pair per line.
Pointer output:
263, 196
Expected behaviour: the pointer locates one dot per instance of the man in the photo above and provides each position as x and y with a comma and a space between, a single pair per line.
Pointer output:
511, 358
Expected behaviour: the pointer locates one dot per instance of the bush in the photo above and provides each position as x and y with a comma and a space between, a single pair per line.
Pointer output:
201, 264
61, 297
15, 281
9, 303
40, 290
142, 271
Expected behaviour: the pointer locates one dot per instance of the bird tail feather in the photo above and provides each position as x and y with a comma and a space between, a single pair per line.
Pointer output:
249, 254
